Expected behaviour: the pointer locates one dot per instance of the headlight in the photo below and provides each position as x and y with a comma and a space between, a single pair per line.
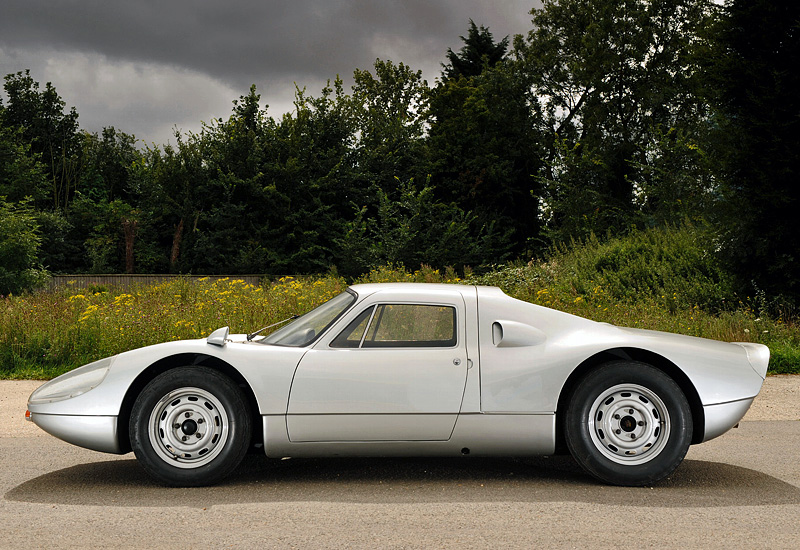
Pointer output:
73, 383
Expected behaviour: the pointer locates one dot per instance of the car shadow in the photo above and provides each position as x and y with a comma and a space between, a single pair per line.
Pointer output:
390, 480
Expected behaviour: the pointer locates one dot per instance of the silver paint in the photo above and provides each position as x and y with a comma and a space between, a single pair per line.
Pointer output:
514, 360
98, 433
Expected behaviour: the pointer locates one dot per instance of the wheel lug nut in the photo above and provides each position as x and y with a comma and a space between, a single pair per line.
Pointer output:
616, 417
188, 414
630, 411
198, 435
640, 423
633, 436
617, 432
176, 426
184, 438
199, 420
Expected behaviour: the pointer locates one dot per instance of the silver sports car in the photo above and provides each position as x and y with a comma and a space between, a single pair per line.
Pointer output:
410, 370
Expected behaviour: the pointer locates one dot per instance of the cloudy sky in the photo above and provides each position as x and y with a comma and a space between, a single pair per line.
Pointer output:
147, 66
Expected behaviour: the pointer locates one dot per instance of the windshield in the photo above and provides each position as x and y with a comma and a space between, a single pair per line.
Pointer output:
306, 328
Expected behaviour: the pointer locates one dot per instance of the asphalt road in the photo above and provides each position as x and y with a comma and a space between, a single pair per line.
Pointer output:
740, 490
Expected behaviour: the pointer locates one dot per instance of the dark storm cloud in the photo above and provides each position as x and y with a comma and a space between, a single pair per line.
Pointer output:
231, 39
173, 45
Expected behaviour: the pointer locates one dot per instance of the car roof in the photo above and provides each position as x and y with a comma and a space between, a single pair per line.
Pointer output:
366, 289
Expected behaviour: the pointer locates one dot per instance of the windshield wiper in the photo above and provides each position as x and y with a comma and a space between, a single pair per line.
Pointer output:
259, 331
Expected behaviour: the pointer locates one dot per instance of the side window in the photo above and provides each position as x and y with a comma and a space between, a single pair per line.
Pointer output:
406, 325
400, 325
351, 336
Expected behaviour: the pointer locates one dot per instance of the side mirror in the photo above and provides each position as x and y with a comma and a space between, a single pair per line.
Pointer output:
218, 337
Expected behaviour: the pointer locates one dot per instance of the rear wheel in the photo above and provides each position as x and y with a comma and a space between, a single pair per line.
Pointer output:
190, 426
628, 423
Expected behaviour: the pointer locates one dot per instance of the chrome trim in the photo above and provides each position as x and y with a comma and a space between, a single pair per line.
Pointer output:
369, 322
98, 433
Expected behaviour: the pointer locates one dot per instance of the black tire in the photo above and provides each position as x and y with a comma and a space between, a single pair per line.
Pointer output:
190, 426
628, 423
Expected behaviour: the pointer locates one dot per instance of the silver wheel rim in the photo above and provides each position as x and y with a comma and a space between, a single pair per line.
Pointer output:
188, 427
629, 424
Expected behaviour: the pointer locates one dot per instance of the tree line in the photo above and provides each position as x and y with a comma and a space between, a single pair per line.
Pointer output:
607, 115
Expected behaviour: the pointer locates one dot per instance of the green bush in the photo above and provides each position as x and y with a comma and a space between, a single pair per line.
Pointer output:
660, 279
20, 269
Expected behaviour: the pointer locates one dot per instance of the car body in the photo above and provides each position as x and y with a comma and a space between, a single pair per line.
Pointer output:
408, 369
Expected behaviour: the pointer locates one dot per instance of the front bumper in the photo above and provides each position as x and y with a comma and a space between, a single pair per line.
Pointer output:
724, 416
98, 433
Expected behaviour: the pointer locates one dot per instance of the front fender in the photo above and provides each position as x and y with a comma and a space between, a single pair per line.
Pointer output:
266, 369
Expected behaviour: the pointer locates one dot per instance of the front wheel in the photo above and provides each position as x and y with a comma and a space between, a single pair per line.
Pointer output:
628, 423
190, 426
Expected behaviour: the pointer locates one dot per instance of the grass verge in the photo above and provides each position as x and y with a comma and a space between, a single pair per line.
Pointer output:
659, 280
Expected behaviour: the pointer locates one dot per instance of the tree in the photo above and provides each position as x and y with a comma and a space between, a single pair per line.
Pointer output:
411, 227
753, 60
52, 133
479, 52
175, 194
24, 178
109, 231
21, 173
389, 111
311, 180
20, 269
484, 142
612, 77
106, 161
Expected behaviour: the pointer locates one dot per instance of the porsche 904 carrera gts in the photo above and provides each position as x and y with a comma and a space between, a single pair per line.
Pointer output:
410, 370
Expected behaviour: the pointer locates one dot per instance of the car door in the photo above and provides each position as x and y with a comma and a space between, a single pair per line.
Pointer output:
396, 371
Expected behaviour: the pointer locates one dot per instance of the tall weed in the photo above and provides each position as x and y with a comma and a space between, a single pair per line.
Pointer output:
658, 279
45, 334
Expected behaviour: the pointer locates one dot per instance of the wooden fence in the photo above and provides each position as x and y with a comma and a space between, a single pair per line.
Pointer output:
127, 281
